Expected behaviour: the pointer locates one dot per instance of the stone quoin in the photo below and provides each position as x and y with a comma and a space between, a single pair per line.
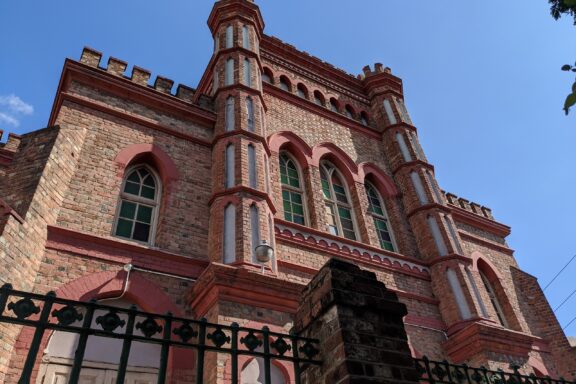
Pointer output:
272, 145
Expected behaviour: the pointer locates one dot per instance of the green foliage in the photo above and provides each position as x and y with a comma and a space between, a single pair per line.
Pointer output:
563, 7
557, 9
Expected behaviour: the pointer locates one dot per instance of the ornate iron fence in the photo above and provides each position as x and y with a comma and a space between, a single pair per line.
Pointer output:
442, 372
49, 313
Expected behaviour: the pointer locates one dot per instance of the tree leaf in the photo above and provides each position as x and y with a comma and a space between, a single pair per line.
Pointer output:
574, 88
566, 67
570, 101
570, 3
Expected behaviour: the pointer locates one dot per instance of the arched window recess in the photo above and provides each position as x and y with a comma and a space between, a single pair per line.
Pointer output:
377, 210
292, 190
339, 213
139, 202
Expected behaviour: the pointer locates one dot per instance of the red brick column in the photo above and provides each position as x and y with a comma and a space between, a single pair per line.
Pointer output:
359, 325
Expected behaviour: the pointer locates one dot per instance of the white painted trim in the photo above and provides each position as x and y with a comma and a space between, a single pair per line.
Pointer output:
461, 302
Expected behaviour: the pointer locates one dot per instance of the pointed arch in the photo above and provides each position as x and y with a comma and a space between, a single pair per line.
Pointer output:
337, 156
148, 153
294, 144
379, 178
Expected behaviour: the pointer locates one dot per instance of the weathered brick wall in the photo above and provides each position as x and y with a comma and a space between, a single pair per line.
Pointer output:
92, 200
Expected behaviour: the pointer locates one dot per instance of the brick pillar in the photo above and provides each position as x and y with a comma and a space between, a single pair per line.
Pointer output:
359, 325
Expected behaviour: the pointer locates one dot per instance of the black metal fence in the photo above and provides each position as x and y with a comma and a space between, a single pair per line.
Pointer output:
442, 372
49, 313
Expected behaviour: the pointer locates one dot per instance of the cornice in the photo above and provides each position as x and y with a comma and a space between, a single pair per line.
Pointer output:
488, 244
320, 110
239, 132
119, 252
287, 56
65, 96
428, 207
479, 222
413, 164
246, 190
348, 249
123, 87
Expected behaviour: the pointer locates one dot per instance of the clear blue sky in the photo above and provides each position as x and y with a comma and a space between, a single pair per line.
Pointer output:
482, 83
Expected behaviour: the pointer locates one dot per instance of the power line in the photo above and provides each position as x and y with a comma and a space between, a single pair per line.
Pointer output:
565, 300
558, 274
571, 321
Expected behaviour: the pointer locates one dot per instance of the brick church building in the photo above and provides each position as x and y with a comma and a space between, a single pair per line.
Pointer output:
142, 192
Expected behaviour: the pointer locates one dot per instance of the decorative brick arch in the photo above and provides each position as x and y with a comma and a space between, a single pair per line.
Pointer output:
243, 360
166, 167
337, 156
109, 285
381, 180
481, 262
294, 144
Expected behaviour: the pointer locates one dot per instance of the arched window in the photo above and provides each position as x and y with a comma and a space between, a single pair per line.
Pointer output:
253, 372
230, 171
252, 179
349, 111
229, 36
139, 203
246, 37
254, 229
229, 235
434, 185
292, 190
285, 84
476, 291
230, 123
494, 300
217, 42
319, 99
250, 113
338, 207
229, 78
334, 106
364, 118
267, 76
247, 73
302, 91
381, 223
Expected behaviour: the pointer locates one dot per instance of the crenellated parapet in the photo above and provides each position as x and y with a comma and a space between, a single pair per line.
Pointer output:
469, 206
138, 75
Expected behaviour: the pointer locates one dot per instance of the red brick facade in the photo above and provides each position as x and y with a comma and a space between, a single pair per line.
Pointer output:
60, 193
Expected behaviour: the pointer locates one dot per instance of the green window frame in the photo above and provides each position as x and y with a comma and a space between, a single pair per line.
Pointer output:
378, 212
292, 190
136, 217
339, 214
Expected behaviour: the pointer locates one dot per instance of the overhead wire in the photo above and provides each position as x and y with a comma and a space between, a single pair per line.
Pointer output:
558, 274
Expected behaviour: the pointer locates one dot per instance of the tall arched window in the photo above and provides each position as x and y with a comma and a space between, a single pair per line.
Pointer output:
139, 203
285, 84
364, 118
229, 36
302, 91
349, 111
230, 121
319, 98
381, 223
229, 235
267, 76
292, 191
245, 37
494, 300
250, 113
334, 105
229, 76
247, 73
338, 207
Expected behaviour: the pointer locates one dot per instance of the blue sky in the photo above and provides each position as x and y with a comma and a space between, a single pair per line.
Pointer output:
482, 83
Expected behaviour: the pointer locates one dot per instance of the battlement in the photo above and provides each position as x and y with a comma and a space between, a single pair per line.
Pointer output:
378, 68
138, 75
13, 142
469, 206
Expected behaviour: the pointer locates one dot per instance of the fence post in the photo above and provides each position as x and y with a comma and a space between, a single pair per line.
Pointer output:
359, 325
